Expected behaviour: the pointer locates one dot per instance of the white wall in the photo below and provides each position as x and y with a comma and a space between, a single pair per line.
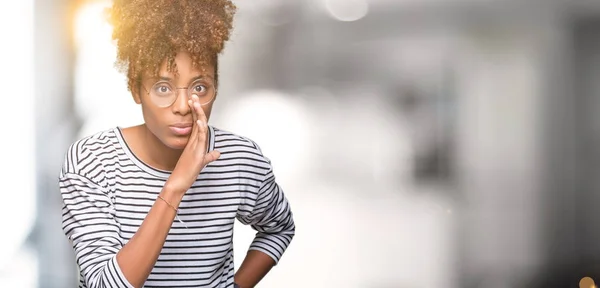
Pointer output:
18, 173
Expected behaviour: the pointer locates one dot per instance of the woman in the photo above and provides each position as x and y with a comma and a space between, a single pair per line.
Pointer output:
154, 205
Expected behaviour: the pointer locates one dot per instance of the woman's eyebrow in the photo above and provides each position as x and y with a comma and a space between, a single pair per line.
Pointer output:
199, 77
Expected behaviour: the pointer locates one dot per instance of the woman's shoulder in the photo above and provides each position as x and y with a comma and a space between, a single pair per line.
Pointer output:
222, 135
98, 140
235, 144
91, 148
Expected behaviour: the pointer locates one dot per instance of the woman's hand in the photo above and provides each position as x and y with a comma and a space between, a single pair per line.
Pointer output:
194, 157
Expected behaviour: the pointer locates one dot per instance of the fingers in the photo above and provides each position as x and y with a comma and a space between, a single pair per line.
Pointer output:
195, 127
200, 120
211, 156
202, 129
198, 109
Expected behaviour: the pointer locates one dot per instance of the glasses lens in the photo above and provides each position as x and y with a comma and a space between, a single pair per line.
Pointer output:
163, 94
205, 91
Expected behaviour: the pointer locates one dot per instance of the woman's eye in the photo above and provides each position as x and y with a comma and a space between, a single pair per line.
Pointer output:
199, 88
163, 89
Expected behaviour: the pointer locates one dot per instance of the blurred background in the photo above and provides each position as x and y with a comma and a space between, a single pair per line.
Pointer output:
421, 143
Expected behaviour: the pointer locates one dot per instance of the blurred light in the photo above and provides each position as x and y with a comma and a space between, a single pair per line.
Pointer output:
274, 13
21, 269
95, 56
101, 93
278, 124
90, 24
347, 10
18, 174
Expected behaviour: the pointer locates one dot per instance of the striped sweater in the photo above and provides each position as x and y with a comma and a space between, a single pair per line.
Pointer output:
107, 192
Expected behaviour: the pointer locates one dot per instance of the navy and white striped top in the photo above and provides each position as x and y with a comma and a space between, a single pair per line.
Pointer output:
107, 192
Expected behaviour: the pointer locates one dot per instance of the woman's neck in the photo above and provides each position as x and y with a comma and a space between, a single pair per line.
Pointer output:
149, 149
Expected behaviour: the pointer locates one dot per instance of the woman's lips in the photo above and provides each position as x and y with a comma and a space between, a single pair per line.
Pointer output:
181, 129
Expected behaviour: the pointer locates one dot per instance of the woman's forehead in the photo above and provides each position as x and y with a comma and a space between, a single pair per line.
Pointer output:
178, 73
191, 78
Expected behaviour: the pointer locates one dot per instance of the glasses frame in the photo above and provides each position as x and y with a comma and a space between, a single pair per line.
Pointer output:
188, 95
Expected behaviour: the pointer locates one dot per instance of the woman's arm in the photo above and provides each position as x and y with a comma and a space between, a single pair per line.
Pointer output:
138, 256
256, 265
270, 214
90, 226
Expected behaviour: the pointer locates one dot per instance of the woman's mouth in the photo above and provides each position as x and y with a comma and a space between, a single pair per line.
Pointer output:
181, 129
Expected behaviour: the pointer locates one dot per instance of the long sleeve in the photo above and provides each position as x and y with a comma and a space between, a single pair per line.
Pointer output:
89, 224
269, 213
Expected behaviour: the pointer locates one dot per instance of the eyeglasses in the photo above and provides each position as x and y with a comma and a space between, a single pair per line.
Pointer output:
163, 93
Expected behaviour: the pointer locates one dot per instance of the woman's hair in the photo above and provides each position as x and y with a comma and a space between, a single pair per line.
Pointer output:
148, 32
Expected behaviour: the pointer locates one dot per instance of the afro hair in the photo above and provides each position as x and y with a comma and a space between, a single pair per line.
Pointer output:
148, 32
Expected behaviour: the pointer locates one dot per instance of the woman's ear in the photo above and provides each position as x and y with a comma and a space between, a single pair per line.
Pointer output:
135, 93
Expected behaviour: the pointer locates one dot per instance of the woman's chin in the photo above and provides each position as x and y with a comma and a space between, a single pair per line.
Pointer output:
178, 143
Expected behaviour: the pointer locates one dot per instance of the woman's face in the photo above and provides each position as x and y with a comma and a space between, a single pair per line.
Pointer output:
172, 124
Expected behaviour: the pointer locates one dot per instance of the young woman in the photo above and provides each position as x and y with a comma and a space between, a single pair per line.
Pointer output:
154, 205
